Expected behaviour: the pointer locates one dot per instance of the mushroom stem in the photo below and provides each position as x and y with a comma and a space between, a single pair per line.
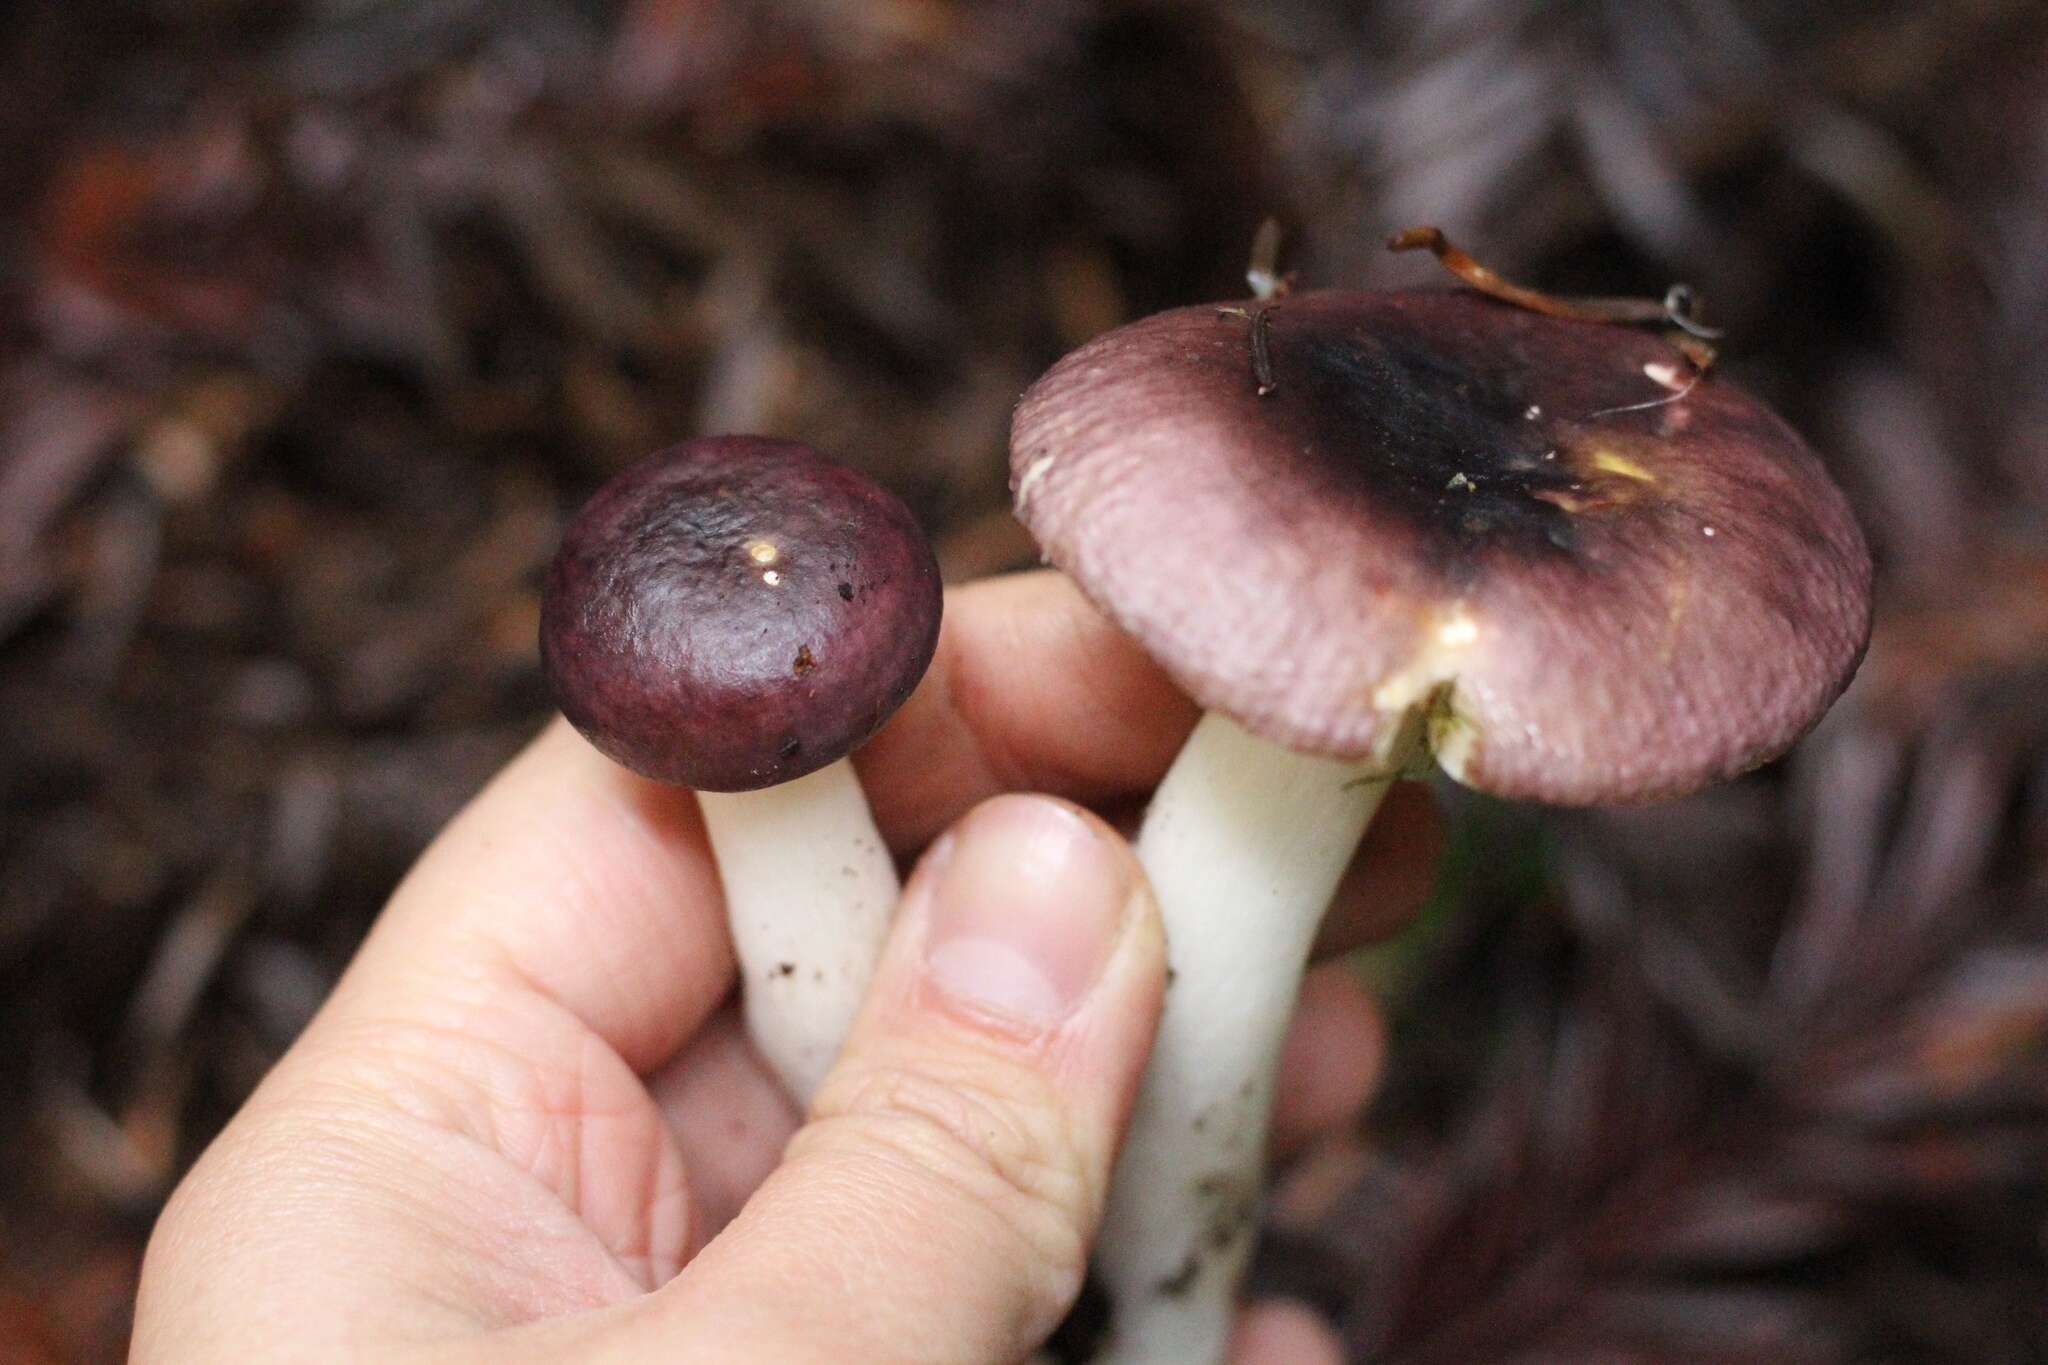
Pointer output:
1244, 843
809, 889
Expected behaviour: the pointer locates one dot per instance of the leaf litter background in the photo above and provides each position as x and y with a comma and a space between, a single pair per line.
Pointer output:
316, 318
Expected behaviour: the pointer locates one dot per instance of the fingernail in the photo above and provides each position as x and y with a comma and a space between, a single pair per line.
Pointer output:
1027, 903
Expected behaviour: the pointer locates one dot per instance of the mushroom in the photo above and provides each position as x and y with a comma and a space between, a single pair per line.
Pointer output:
737, 614
1362, 530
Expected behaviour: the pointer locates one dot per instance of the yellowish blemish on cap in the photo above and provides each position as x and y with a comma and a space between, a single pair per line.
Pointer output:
763, 551
1612, 462
1443, 645
1559, 498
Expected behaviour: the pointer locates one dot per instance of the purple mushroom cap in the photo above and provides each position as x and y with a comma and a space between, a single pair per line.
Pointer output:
1603, 577
734, 612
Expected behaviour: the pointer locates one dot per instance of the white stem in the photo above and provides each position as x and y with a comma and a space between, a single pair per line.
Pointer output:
1244, 843
809, 889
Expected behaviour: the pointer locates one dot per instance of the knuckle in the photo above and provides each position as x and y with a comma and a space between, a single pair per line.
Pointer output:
1000, 1147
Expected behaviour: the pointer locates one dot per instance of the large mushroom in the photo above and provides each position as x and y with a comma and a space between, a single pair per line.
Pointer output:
737, 614
1362, 530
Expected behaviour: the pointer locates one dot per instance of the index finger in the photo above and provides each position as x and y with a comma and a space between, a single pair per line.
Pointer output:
567, 878
1031, 689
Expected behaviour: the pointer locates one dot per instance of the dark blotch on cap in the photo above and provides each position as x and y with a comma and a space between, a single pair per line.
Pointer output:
1400, 424
735, 612
1450, 502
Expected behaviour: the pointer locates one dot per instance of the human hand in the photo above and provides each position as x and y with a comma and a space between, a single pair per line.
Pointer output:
526, 1126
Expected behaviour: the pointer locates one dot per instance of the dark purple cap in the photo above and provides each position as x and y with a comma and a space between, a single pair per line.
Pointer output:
1604, 581
736, 611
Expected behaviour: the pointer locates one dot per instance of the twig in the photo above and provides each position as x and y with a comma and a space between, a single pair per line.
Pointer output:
1261, 319
1676, 309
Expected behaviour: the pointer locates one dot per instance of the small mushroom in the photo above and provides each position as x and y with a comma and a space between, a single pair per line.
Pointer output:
737, 614
1422, 523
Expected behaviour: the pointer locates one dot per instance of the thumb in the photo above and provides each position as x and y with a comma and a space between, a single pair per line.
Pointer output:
939, 1203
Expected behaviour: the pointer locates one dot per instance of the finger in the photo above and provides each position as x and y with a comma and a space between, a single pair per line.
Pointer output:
731, 1118
449, 1115
1031, 690
939, 1203
570, 879
1281, 1333
1331, 1061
